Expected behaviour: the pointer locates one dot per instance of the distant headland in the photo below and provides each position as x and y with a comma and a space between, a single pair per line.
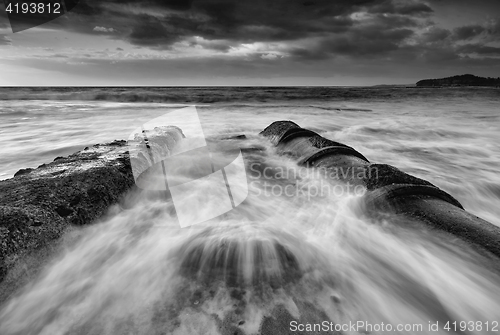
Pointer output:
462, 80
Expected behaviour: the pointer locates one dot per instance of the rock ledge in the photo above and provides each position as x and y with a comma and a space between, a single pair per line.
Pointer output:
38, 205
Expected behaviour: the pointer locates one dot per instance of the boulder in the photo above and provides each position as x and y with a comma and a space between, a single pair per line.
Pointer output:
38, 205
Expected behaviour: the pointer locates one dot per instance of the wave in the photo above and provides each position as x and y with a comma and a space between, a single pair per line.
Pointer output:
342, 109
225, 94
273, 259
12, 113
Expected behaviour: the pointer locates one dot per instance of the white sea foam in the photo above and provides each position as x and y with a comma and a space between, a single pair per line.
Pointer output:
137, 272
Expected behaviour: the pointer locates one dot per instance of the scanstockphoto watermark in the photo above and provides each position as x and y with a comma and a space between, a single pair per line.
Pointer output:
369, 327
170, 155
309, 183
357, 326
308, 190
332, 173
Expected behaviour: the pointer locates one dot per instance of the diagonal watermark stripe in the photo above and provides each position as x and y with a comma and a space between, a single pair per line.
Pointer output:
170, 153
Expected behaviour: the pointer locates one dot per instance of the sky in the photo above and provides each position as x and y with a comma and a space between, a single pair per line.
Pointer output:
254, 42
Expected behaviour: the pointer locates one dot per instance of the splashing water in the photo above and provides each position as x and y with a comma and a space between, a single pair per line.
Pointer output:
274, 259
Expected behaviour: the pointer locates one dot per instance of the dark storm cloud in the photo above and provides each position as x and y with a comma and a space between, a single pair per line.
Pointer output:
242, 21
493, 28
95, 7
487, 32
395, 21
168, 4
303, 30
221, 24
369, 42
403, 8
150, 31
479, 49
414, 9
435, 34
264, 21
439, 55
159, 24
466, 32
261, 20
88, 8
316, 53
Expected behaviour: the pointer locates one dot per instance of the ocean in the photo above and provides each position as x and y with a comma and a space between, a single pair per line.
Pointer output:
447, 136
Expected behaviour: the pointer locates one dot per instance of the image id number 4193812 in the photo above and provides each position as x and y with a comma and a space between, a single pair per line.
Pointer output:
471, 326
33, 7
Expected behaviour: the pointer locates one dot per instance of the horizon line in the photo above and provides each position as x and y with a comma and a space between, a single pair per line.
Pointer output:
78, 86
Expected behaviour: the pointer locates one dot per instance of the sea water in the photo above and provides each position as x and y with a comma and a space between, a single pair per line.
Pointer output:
137, 271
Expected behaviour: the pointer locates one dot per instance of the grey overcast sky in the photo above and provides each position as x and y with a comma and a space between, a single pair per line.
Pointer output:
254, 42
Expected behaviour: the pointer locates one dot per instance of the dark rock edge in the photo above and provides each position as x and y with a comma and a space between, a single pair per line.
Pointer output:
39, 205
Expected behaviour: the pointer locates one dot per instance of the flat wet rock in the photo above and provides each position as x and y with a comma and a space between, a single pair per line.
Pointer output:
241, 260
38, 205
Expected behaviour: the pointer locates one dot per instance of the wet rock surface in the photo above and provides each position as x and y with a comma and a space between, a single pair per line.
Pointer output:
38, 205
242, 261
388, 188
223, 277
